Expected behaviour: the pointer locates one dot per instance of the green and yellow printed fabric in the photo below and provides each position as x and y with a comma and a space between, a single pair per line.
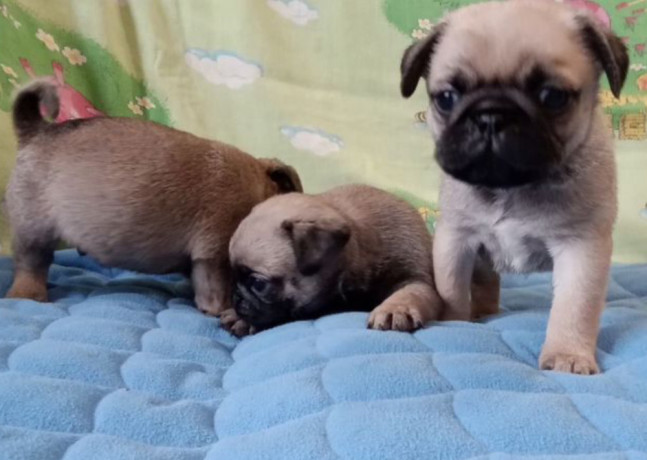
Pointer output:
312, 82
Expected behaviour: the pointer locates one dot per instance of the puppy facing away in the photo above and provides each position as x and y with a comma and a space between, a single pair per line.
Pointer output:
132, 194
354, 247
529, 180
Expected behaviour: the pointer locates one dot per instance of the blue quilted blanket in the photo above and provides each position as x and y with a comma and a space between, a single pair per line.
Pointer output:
122, 366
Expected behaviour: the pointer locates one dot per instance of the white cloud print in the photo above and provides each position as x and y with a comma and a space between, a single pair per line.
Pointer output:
297, 11
223, 68
312, 140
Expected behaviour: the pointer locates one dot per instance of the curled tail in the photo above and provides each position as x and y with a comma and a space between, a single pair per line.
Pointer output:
27, 117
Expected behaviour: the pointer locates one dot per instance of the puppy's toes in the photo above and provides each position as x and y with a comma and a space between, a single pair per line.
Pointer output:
565, 362
395, 317
209, 308
209, 312
231, 322
402, 322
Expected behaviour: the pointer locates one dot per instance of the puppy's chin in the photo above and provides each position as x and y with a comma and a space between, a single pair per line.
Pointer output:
513, 162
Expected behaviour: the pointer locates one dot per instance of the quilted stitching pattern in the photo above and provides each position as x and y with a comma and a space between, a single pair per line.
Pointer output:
122, 366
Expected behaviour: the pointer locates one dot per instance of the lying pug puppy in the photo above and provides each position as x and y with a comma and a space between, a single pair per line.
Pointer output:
354, 247
132, 194
529, 173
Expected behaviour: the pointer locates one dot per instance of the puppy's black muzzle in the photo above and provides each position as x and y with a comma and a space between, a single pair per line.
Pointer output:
497, 138
256, 312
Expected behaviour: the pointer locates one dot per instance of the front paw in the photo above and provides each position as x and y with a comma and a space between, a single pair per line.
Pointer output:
567, 362
396, 317
233, 323
209, 307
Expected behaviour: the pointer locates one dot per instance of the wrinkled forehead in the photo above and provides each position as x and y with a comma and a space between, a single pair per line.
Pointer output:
498, 43
274, 263
261, 246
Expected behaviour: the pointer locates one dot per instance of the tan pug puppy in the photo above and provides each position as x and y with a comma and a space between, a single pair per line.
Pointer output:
529, 173
132, 194
352, 248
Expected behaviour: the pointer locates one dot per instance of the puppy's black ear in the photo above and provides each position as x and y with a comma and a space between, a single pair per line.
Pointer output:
316, 242
608, 49
416, 58
284, 176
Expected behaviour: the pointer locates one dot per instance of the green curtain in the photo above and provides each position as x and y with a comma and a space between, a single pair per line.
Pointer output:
313, 82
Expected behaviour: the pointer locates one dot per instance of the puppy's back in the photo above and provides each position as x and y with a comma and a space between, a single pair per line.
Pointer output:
132, 193
393, 225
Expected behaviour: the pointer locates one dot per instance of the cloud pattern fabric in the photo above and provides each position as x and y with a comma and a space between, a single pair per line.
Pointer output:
312, 82
222, 68
297, 11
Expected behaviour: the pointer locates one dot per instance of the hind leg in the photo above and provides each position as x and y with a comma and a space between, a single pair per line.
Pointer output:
32, 258
33, 228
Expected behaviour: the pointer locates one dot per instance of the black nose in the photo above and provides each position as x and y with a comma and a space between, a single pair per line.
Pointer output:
490, 122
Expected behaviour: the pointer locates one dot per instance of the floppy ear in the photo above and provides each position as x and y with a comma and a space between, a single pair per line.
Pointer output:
608, 49
316, 241
285, 177
415, 60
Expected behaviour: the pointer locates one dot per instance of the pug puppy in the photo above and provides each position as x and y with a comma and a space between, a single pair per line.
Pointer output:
529, 179
354, 247
131, 194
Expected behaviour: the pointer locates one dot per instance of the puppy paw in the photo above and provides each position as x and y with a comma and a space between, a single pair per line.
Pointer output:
210, 311
231, 322
33, 291
565, 362
396, 317
209, 307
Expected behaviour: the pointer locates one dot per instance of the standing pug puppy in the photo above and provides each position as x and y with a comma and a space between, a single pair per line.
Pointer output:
132, 194
354, 247
530, 180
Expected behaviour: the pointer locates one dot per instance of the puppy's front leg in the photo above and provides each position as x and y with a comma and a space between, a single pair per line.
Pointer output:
453, 267
486, 290
407, 309
581, 272
211, 280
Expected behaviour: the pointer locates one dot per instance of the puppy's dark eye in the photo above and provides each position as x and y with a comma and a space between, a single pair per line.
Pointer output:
446, 100
258, 285
554, 98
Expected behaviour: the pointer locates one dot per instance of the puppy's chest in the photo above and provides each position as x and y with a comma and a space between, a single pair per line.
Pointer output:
515, 246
